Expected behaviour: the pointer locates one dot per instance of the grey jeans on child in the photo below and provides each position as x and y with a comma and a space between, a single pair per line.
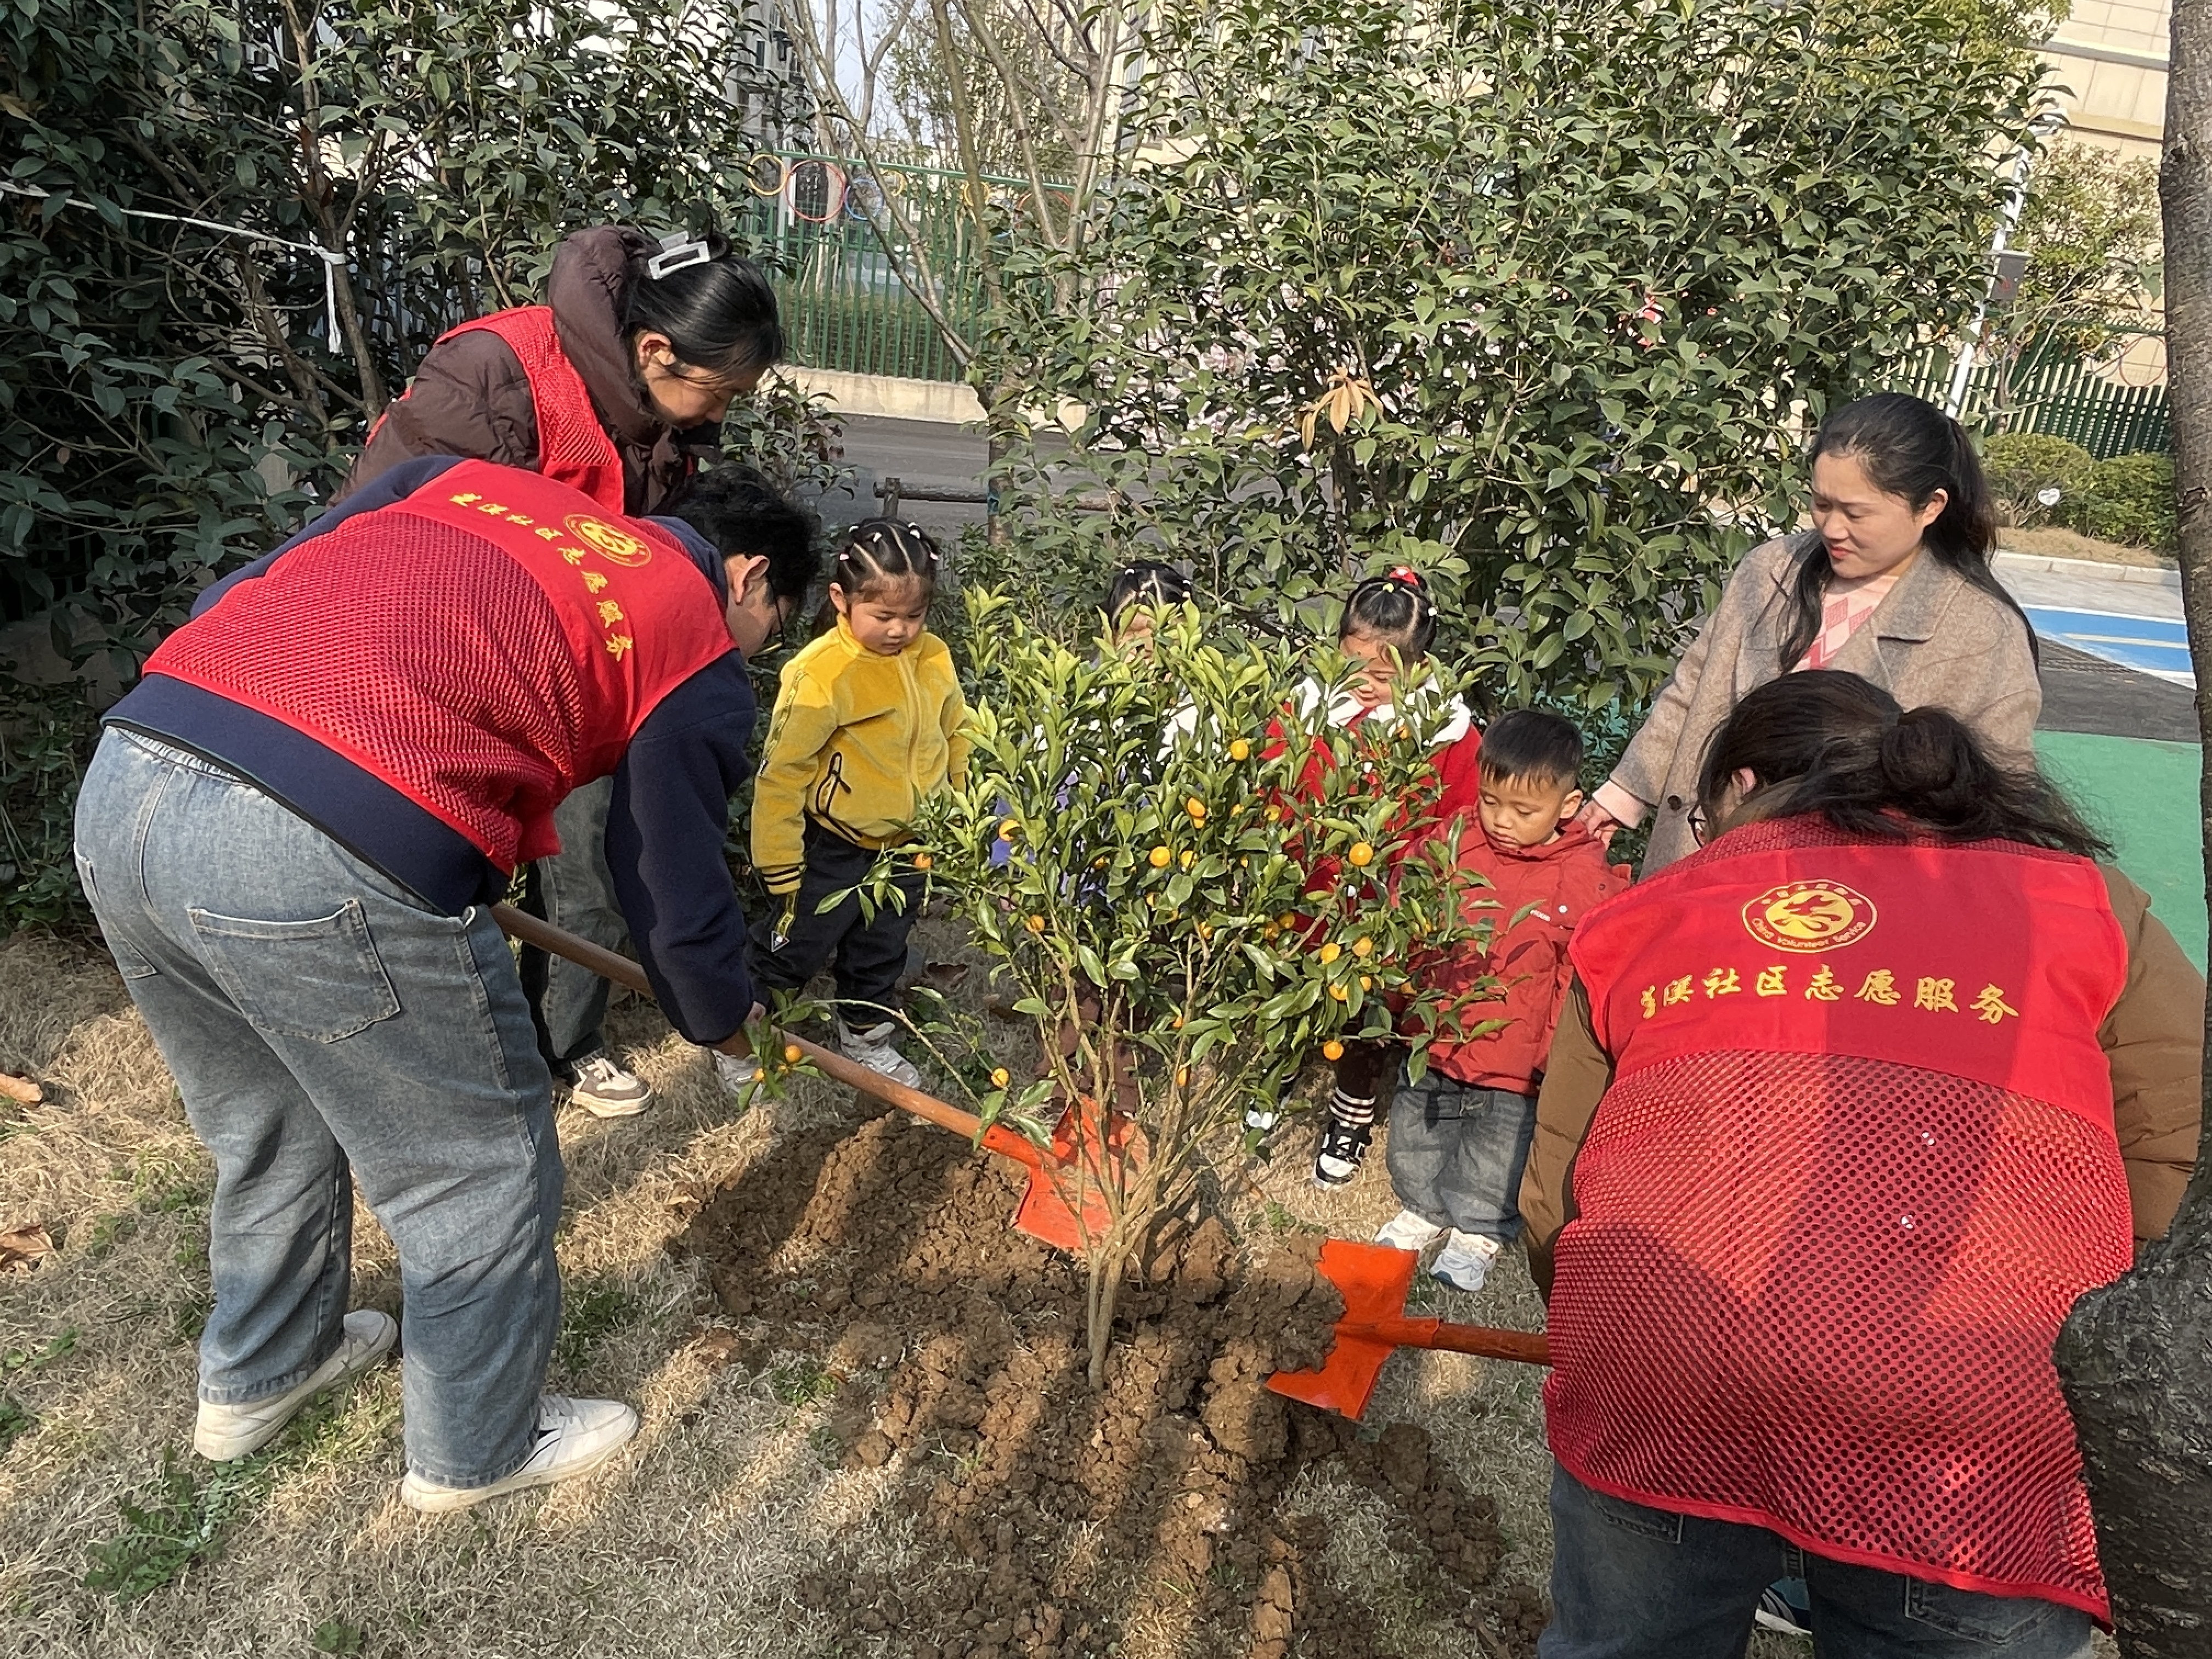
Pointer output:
325, 1028
574, 890
1456, 1153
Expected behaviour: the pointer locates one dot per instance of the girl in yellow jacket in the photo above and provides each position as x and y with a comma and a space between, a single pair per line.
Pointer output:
867, 722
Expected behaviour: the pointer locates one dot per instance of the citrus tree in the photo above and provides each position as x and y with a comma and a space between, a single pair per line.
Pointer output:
1192, 890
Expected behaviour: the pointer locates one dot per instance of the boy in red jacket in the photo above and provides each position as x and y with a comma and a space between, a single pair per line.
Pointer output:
1460, 1136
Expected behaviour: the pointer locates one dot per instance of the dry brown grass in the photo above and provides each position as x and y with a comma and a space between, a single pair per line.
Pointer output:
687, 1547
2051, 543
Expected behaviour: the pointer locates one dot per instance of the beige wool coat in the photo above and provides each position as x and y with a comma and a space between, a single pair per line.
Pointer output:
1935, 639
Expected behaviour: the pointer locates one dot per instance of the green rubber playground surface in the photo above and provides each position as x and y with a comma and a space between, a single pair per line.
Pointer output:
2143, 795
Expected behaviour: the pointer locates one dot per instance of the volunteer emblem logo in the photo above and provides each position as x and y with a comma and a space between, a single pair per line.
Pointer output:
1809, 915
618, 546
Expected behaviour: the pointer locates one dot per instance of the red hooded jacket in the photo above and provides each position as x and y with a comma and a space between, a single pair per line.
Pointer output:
1555, 883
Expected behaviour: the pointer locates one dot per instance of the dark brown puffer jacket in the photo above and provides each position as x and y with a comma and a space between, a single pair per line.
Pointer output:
469, 397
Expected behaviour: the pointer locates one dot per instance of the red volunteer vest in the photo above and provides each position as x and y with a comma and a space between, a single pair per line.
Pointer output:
1856, 1165
484, 646
572, 447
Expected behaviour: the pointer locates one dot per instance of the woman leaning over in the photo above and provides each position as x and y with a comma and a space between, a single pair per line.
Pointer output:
1844, 1113
1892, 583
613, 386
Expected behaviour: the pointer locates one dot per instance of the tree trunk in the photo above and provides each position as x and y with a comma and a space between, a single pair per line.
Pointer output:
2136, 1358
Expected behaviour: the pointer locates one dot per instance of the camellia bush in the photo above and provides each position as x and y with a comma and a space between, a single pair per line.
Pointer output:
1189, 893
1538, 297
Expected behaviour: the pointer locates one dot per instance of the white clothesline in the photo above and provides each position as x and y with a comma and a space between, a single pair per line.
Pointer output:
332, 263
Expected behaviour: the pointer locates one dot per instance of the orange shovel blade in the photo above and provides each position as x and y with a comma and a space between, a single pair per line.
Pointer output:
1078, 1162
1374, 1280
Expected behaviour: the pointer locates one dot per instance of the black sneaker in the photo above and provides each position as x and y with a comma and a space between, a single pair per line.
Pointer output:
1343, 1150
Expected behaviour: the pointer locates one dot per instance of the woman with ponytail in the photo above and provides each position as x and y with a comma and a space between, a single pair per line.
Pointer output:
614, 387
1893, 582
1844, 1111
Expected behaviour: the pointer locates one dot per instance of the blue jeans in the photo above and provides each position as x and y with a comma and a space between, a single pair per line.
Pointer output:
1634, 1583
324, 1027
1457, 1152
574, 890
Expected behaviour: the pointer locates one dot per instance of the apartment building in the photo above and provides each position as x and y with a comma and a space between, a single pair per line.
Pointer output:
2108, 69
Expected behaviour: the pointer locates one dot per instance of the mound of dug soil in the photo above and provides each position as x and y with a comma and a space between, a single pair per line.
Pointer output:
1055, 1521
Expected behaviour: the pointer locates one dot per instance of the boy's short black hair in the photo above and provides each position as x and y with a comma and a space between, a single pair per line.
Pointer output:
741, 514
1530, 743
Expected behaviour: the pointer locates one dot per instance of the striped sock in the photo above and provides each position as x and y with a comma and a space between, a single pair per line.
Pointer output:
1351, 1109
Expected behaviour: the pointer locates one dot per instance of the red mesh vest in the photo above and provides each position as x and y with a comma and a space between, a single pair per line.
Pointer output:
484, 646
572, 447
1856, 1163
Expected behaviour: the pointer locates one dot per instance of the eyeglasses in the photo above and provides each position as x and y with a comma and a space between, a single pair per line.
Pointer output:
1698, 823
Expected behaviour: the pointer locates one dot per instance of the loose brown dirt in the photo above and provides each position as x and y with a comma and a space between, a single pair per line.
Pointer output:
872, 1264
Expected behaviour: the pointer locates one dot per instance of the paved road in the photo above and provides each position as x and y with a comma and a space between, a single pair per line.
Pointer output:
924, 455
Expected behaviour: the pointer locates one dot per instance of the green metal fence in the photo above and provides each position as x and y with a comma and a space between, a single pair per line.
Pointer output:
2052, 393
838, 236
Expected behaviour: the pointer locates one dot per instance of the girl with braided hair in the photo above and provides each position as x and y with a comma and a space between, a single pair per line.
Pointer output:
867, 723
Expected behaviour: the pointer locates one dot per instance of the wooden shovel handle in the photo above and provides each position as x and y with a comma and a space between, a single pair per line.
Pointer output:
1528, 1347
620, 970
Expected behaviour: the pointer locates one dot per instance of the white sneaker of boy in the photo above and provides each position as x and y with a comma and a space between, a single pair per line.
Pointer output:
604, 1088
737, 1073
1465, 1260
1407, 1231
874, 1049
223, 1432
574, 1437
1261, 1115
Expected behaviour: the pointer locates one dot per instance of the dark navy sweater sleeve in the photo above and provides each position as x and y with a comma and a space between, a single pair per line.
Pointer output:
666, 832
397, 484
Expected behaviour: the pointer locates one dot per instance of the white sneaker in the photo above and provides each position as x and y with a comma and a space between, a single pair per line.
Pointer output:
223, 1432
574, 1437
737, 1074
1262, 1116
1407, 1231
1465, 1261
604, 1090
873, 1050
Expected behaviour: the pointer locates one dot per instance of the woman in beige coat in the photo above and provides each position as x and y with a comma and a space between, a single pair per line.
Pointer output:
1892, 583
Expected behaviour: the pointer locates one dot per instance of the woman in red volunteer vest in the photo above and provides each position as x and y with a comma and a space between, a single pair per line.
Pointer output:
612, 386
1844, 1111
290, 835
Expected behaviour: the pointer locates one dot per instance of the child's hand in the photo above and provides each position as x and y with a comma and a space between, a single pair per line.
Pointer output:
1601, 824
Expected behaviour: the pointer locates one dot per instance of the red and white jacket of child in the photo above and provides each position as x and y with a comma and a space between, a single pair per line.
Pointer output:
1555, 882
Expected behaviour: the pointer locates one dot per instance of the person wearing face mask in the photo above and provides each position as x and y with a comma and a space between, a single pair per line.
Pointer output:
292, 835
615, 386
1892, 583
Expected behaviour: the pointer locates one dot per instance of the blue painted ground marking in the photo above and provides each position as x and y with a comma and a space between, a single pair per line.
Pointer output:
2156, 645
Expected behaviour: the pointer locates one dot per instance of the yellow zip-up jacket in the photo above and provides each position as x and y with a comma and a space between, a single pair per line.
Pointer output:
857, 741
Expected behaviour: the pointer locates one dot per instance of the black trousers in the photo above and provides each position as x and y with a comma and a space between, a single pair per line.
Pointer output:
869, 955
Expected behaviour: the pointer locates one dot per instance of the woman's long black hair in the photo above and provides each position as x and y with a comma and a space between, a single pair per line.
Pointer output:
718, 310
1831, 742
1909, 447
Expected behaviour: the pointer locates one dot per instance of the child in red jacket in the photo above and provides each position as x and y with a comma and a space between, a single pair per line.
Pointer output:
1460, 1136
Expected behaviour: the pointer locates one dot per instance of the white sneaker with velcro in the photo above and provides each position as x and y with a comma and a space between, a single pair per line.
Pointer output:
873, 1049
1408, 1231
1465, 1261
